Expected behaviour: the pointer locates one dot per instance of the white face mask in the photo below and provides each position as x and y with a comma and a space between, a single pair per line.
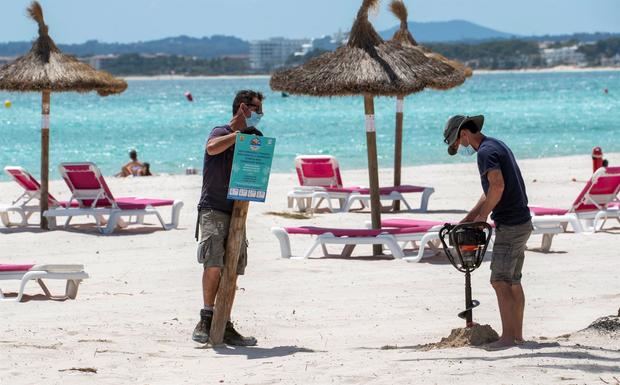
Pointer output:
253, 120
465, 150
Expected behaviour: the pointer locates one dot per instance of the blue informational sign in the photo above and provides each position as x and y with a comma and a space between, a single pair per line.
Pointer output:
251, 168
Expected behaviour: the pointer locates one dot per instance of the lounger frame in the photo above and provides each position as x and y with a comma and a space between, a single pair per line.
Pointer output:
73, 274
113, 212
395, 243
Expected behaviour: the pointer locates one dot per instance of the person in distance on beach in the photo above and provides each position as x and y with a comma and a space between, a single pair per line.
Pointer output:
146, 169
214, 210
505, 198
133, 167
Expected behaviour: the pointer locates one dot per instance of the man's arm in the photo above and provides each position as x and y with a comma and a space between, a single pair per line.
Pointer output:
487, 202
473, 213
221, 143
494, 194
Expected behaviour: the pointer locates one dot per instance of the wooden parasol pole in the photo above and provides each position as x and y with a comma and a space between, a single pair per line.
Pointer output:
45, 144
398, 147
228, 280
373, 167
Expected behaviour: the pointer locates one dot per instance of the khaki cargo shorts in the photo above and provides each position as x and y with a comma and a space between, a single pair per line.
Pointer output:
213, 234
509, 252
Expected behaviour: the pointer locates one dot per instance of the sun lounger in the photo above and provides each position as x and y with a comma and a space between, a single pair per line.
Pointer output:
596, 203
321, 182
22, 206
388, 237
73, 274
547, 233
93, 197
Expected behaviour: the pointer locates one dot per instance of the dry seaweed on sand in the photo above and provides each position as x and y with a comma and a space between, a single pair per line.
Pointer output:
289, 215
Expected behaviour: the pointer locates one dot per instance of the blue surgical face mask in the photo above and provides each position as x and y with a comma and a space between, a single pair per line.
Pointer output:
253, 120
466, 150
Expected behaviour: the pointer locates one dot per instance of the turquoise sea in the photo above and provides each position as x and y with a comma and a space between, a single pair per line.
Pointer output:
537, 114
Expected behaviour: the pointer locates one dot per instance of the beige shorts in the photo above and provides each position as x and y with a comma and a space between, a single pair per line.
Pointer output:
509, 252
213, 235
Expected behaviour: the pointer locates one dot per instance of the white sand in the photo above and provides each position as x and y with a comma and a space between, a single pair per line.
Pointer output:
318, 321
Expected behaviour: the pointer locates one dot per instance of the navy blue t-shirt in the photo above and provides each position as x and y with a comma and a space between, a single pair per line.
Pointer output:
216, 172
512, 207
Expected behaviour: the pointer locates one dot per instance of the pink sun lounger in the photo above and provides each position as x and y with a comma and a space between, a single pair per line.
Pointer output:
596, 203
93, 197
320, 181
22, 206
547, 233
424, 233
73, 274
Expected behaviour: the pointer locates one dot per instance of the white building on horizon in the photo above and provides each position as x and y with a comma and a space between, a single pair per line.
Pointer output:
273, 53
563, 56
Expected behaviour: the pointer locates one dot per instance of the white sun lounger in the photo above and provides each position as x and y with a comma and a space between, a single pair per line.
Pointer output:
73, 274
22, 207
94, 198
393, 239
321, 182
596, 203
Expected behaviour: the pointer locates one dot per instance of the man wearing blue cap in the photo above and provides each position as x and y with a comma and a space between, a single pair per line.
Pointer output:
505, 198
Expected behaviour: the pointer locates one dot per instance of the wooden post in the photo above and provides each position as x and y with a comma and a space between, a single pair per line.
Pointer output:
45, 143
398, 147
373, 167
228, 281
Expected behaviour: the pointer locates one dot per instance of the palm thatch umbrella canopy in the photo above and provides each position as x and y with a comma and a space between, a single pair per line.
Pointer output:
453, 78
45, 69
403, 35
366, 66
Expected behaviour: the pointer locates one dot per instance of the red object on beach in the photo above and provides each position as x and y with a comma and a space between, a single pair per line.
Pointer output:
597, 158
189, 96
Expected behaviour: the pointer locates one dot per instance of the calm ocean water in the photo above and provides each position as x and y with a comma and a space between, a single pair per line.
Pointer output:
537, 114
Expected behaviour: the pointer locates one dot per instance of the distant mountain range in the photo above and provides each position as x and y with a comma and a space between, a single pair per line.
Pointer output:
449, 31
205, 47
218, 45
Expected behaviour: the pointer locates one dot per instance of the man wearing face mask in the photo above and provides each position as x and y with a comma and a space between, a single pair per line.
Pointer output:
505, 198
214, 210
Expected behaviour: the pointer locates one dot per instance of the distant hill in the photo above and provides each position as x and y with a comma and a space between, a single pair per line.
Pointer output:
455, 31
204, 48
449, 31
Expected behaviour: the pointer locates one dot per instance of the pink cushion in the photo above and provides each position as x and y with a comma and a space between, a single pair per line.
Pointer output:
322, 168
340, 232
547, 211
144, 202
25, 180
8, 267
317, 170
348, 189
417, 223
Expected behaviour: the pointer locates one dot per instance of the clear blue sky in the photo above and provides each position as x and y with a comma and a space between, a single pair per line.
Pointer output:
75, 21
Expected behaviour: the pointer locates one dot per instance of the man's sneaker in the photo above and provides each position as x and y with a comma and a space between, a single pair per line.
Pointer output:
232, 337
201, 332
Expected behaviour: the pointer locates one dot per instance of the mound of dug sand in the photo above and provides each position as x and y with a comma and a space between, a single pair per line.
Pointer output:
606, 325
474, 336
604, 332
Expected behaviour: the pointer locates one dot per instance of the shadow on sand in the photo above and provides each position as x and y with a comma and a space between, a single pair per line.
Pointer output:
253, 352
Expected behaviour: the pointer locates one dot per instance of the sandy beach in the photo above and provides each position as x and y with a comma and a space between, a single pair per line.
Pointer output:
318, 321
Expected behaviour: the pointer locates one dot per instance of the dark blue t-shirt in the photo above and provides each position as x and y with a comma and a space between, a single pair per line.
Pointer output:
216, 172
512, 207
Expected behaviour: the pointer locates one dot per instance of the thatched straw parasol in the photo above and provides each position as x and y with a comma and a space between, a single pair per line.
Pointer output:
453, 78
45, 69
367, 66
